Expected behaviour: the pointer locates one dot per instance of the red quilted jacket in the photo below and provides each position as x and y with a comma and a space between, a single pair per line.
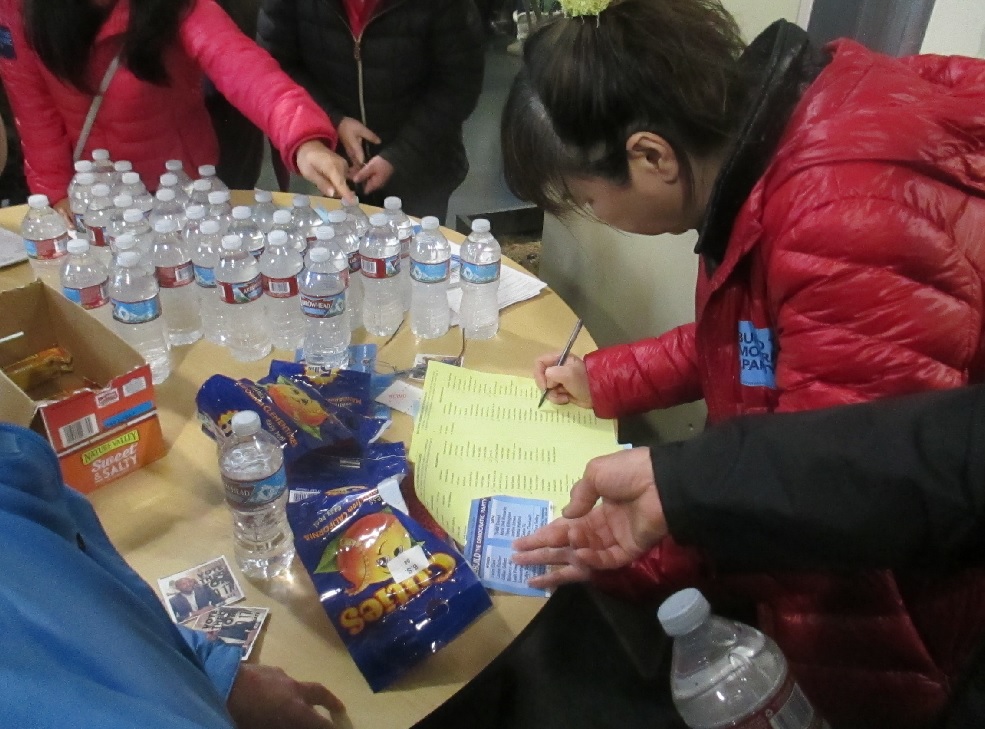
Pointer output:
854, 269
144, 123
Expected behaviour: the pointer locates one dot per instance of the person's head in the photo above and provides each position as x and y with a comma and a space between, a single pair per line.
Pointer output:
185, 585
62, 33
623, 114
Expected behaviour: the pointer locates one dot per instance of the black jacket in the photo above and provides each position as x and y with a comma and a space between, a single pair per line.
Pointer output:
413, 77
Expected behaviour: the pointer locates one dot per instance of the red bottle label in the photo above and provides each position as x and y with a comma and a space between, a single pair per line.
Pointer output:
89, 297
97, 236
173, 277
788, 709
241, 293
47, 249
280, 288
380, 267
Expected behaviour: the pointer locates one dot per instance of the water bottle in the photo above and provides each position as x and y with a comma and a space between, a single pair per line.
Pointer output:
120, 168
304, 219
263, 210
200, 192
173, 265
405, 232
480, 282
243, 226
135, 224
379, 261
280, 266
348, 239
85, 280
282, 221
207, 173
205, 248
99, 214
220, 209
430, 266
80, 193
725, 674
126, 242
357, 215
102, 166
194, 217
46, 238
177, 168
166, 207
252, 466
132, 186
170, 181
322, 284
244, 326
137, 314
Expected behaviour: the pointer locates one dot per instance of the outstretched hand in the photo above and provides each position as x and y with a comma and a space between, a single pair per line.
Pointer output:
374, 174
352, 134
324, 169
628, 522
264, 697
565, 383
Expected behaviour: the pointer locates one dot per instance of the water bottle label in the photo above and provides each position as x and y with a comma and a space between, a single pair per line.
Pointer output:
47, 249
204, 276
323, 306
137, 312
788, 709
380, 267
480, 273
173, 277
430, 272
280, 288
80, 224
354, 261
241, 293
256, 493
97, 235
405, 245
88, 297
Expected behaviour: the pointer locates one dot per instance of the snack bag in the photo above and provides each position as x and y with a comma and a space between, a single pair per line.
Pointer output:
394, 592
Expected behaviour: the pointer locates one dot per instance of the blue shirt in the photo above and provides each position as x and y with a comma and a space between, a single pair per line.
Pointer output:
84, 641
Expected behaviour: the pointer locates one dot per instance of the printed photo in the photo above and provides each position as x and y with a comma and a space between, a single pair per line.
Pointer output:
234, 625
196, 591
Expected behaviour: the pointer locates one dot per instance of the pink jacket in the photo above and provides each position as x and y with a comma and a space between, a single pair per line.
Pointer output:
144, 123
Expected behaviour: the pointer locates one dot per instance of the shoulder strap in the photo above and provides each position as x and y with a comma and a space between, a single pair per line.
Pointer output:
97, 101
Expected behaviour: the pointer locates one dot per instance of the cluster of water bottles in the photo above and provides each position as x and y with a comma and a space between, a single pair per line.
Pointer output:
169, 268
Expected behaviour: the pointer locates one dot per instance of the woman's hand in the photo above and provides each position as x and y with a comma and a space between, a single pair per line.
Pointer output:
352, 134
374, 174
64, 208
567, 383
324, 169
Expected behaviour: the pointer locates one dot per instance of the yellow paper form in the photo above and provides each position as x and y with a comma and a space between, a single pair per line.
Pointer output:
479, 434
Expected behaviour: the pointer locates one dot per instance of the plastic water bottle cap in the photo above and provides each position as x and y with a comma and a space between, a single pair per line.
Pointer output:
392, 203
130, 178
324, 232
100, 190
231, 242
38, 201
429, 222
129, 259
337, 216
125, 242
165, 225
173, 165
165, 194
87, 178
210, 227
241, 212
169, 179
133, 215
377, 219
319, 254
263, 196
201, 186
195, 212
277, 238
78, 245
245, 422
300, 201
480, 225
84, 165
218, 197
206, 171
123, 201
683, 611
282, 217
100, 154
123, 166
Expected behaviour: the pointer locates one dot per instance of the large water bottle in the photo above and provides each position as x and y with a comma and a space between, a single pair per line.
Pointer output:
207, 173
357, 215
243, 226
304, 218
430, 266
263, 210
175, 274
137, 314
244, 326
405, 233
348, 239
322, 284
85, 280
45, 237
205, 259
379, 261
220, 209
252, 466
282, 221
80, 192
177, 168
99, 214
480, 282
166, 207
280, 265
727, 674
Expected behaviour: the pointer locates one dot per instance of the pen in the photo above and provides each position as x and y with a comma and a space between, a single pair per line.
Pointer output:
564, 355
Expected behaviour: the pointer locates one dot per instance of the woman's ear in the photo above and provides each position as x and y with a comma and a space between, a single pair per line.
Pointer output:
651, 153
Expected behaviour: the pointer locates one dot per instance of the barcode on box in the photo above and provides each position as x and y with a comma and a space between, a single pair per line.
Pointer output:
134, 386
78, 431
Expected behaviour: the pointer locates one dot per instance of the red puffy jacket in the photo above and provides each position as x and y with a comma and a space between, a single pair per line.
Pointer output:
144, 123
855, 269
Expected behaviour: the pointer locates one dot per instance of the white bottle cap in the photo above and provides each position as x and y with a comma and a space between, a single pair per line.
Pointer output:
125, 242
392, 203
123, 166
165, 194
100, 155
231, 242
319, 254
282, 217
217, 197
195, 212
206, 171
78, 246
201, 186
241, 212
100, 190
165, 225
429, 222
377, 219
210, 227
38, 201
123, 200
169, 179
129, 259
130, 178
277, 238
683, 611
84, 165
263, 196
480, 225
87, 178
245, 422
300, 201
173, 165
133, 215
337, 216
324, 232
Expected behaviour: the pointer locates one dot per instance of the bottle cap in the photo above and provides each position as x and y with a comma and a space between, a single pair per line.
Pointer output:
123, 166
241, 212
277, 237
429, 222
683, 611
319, 254
263, 196
84, 165
165, 194
78, 245
123, 200
173, 165
87, 178
377, 219
324, 232
124, 242
100, 190
231, 243
392, 203
217, 197
206, 171
129, 259
245, 422
282, 217
337, 216
480, 225
133, 215
195, 212
38, 201
165, 225
201, 186
300, 201
210, 227
169, 179
130, 178
100, 155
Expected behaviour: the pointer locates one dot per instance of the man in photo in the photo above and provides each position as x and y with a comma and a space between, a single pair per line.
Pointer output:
191, 597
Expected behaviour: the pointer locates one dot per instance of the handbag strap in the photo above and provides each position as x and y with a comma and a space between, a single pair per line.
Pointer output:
97, 101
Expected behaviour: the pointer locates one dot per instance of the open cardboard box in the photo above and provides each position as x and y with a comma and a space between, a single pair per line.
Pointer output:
99, 433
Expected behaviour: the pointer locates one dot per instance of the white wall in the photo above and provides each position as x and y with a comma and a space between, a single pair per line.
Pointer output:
957, 27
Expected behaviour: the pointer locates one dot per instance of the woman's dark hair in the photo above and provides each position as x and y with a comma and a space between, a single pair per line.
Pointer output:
62, 33
588, 83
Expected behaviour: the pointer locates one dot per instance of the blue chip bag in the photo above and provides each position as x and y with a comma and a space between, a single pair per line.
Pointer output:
394, 592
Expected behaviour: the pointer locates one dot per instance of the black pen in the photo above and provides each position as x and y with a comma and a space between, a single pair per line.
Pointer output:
564, 355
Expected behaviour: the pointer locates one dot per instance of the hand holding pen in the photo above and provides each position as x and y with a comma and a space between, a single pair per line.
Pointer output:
563, 376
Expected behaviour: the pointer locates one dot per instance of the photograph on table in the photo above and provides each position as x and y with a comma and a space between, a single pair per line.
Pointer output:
197, 590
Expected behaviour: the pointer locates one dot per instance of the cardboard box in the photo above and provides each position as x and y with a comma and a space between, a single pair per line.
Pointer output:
104, 430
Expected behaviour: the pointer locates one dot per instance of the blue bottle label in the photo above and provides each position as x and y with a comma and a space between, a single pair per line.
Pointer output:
323, 307
256, 493
430, 272
137, 312
480, 273
205, 277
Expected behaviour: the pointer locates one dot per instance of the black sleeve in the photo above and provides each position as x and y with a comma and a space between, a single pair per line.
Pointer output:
894, 483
